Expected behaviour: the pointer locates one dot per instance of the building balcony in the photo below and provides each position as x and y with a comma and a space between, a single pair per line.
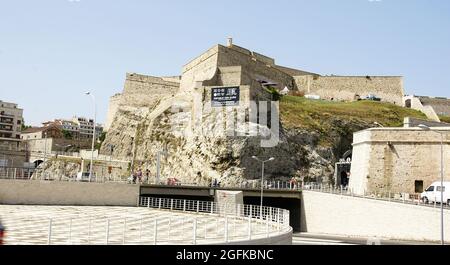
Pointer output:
6, 130
6, 115
6, 121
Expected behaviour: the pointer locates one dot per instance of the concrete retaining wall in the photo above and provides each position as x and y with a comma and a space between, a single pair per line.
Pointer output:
349, 216
67, 193
283, 239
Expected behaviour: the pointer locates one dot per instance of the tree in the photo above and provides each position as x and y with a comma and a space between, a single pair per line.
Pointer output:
276, 96
100, 141
23, 127
67, 134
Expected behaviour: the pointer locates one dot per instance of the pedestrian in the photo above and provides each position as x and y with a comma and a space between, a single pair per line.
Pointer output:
139, 175
134, 178
147, 176
293, 183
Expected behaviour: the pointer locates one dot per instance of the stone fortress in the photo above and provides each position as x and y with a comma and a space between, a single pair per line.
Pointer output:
231, 65
140, 119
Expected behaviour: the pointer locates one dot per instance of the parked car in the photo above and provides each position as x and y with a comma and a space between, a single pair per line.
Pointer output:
433, 193
372, 97
2, 232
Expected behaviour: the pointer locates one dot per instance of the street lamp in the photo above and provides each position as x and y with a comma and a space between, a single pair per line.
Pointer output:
45, 147
426, 128
93, 135
158, 165
262, 178
64, 147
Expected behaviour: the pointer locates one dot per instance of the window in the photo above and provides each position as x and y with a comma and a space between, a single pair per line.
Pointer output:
439, 189
430, 188
418, 184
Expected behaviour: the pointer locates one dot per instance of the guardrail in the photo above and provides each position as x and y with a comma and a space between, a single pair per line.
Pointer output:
399, 197
395, 197
181, 222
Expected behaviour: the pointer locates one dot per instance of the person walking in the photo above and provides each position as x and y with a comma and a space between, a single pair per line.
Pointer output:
139, 175
147, 176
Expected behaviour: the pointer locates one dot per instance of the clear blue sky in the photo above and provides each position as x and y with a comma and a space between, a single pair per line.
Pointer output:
51, 51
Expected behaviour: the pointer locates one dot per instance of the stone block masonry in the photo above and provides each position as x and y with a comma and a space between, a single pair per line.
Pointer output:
349, 88
145, 91
393, 160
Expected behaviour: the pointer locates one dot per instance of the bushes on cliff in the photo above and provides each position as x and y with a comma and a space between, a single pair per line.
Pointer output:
276, 96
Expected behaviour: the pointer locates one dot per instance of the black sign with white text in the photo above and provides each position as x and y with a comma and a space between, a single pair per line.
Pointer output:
225, 96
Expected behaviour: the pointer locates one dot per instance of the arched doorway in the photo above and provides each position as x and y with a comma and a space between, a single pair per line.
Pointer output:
344, 178
408, 103
37, 163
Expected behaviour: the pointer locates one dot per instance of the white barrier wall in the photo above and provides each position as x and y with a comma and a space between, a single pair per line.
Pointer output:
349, 216
67, 193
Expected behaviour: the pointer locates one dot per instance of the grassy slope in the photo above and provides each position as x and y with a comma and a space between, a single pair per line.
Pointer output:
321, 116
445, 119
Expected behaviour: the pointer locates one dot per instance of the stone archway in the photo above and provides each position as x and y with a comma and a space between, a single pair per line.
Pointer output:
37, 163
347, 156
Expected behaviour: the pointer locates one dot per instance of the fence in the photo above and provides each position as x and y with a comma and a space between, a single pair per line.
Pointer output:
181, 222
399, 197
38, 174
33, 174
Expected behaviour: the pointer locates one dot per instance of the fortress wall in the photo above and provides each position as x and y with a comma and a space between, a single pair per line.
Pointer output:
263, 58
253, 68
146, 91
253, 65
228, 76
389, 89
393, 159
441, 106
114, 103
200, 69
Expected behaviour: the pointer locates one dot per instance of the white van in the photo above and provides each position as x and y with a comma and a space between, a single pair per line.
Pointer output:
433, 193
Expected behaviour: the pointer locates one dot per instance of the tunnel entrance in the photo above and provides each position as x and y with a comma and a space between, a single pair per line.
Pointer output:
180, 197
293, 205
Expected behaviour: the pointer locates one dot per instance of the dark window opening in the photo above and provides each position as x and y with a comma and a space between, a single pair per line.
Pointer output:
418, 186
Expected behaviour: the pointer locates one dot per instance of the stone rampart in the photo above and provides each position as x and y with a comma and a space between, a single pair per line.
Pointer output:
348, 88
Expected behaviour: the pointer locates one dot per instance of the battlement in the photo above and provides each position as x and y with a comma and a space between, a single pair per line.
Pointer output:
134, 77
144, 91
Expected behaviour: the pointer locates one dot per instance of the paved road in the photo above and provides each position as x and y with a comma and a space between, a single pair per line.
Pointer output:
316, 239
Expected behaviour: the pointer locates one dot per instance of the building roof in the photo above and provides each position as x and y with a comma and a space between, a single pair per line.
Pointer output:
39, 129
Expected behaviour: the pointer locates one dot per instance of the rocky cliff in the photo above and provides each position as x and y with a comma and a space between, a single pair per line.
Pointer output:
310, 142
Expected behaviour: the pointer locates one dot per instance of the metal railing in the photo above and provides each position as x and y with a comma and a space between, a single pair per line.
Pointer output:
181, 222
400, 197
395, 197
14, 173
277, 215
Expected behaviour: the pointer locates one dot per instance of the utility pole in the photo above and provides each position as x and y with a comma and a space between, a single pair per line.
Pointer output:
45, 147
262, 180
133, 153
158, 165
93, 136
